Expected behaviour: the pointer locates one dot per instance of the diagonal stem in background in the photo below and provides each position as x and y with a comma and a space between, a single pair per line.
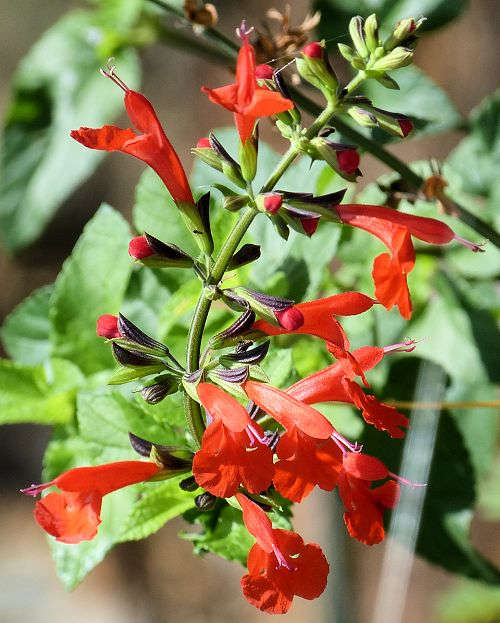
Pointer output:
223, 51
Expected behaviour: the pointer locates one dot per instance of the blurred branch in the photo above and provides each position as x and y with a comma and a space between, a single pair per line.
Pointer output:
473, 404
226, 53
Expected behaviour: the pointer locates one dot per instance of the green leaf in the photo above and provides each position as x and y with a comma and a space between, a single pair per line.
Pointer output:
224, 533
420, 98
106, 417
279, 367
476, 159
25, 333
159, 503
44, 394
469, 602
56, 88
92, 282
74, 562
155, 212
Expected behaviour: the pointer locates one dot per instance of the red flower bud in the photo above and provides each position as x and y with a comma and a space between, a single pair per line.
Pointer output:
107, 326
313, 50
273, 202
406, 126
264, 71
139, 248
290, 319
348, 160
203, 143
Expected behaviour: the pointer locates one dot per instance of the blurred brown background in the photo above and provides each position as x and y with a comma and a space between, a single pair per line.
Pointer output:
159, 581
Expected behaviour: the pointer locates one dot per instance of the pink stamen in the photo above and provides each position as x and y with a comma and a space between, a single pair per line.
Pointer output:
253, 434
35, 490
111, 74
242, 32
405, 481
407, 346
470, 245
343, 443
282, 561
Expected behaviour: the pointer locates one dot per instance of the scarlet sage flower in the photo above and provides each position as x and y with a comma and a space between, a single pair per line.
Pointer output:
233, 450
151, 145
245, 98
308, 452
280, 565
395, 229
319, 317
364, 506
73, 515
332, 384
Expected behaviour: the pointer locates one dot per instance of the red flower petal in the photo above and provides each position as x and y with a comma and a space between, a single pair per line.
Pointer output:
378, 414
106, 478
222, 406
69, 517
227, 459
108, 138
364, 467
326, 385
288, 411
305, 462
257, 522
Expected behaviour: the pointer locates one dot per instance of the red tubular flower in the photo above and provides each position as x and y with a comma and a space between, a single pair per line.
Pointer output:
245, 98
334, 384
151, 145
233, 450
319, 317
74, 514
395, 229
365, 506
107, 326
280, 564
307, 453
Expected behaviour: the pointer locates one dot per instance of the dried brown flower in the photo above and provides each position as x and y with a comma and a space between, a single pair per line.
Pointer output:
201, 13
283, 40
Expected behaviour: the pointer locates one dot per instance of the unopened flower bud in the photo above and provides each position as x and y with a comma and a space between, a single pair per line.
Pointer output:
205, 501
313, 50
248, 156
264, 71
347, 52
247, 254
270, 202
164, 386
371, 32
203, 143
358, 36
233, 333
398, 57
155, 253
315, 68
403, 32
189, 484
344, 159
269, 307
228, 165
132, 358
206, 154
107, 326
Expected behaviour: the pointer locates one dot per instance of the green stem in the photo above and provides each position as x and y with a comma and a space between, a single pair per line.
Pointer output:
195, 335
355, 82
